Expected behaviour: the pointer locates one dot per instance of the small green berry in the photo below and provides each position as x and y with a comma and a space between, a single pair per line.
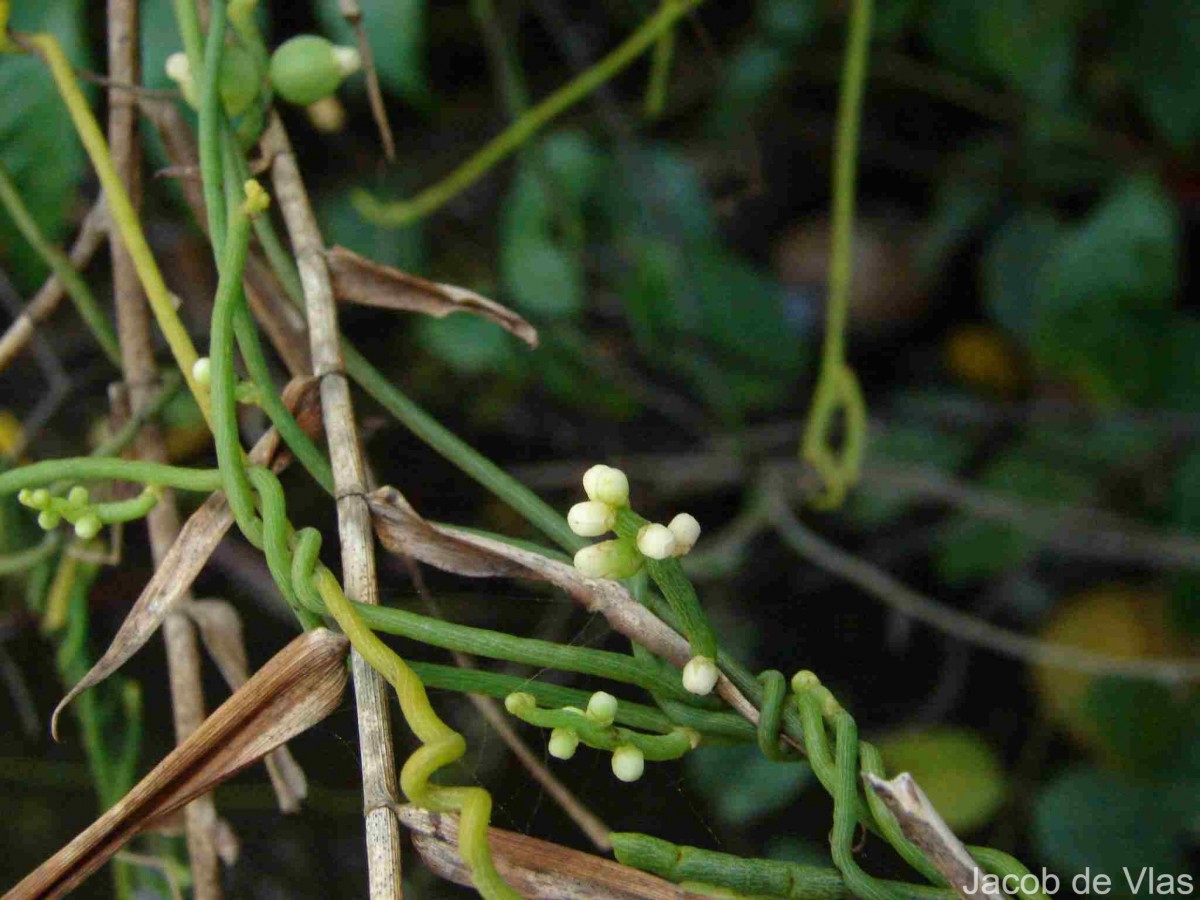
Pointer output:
308, 68
40, 499
25, 497
48, 520
78, 496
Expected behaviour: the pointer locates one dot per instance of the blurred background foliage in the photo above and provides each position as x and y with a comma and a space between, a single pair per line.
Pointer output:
1024, 320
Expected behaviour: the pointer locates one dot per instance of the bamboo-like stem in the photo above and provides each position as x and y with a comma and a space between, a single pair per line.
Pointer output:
354, 519
134, 330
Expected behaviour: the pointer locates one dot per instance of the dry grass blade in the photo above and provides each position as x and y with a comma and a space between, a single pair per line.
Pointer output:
220, 629
297, 688
187, 556
357, 279
536, 869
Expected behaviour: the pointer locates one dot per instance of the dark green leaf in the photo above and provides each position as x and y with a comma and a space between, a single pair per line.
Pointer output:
742, 784
1160, 40
37, 141
971, 548
1089, 819
543, 277
467, 344
1141, 723
401, 248
1103, 298
1011, 265
1029, 44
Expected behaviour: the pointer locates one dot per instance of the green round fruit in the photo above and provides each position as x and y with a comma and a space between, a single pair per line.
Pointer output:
305, 69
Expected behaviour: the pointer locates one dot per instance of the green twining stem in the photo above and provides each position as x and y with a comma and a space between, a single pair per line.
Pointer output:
757, 877
441, 745
129, 510
90, 468
837, 388
770, 717
404, 212
223, 179
845, 818
224, 402
77, 289
209, 136
676, 588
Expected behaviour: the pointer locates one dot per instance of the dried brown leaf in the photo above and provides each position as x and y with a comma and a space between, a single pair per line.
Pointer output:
297, 688
357, 279
535, 868
187, 556
220, 629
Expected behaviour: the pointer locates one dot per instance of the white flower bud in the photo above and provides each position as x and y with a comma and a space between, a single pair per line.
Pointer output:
656, 541
348, 60
700, 675
686, 530
591, 518
177, 67
179, 70
628, 762
608, 559
563, 743
202, 371
602, 708
606, 484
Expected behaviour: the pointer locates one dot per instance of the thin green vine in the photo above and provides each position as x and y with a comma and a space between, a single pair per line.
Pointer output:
837, 388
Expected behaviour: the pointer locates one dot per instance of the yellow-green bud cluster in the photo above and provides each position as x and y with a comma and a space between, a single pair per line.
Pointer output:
77, 508
608, 490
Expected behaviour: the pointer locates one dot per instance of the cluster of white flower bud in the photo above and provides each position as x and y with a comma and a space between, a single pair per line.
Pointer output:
608, 490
